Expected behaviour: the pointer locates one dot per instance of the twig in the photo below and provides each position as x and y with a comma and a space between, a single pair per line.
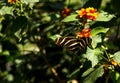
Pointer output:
51, 68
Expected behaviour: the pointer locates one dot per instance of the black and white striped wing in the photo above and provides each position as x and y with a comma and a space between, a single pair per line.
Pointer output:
72, 43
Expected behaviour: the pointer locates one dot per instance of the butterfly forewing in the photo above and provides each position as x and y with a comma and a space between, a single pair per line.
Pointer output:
73, 43
64, 41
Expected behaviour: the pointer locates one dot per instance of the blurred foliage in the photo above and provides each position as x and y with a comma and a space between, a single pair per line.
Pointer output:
28, 54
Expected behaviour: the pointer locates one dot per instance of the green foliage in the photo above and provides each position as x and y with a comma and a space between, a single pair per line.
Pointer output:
116, 57
95, 40
28, 53
72, 17
93, 55
98, 30
6, 10
115, 76
104, 16
92, 74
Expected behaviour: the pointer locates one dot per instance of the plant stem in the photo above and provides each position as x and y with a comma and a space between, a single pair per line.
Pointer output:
106, 53
105, 58
21, 7
50, 67
107, 78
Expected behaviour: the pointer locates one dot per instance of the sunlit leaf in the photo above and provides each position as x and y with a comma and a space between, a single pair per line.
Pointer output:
116, 56
93, 55
9, 77
30, 1
6, 52
54, 36
18, 34
70, 18
104, 16
98, 30
6, 10
27, 48
95, 40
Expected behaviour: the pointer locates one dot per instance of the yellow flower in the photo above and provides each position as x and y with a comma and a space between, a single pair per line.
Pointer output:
12, 1
88, 13
81, 12
90, 10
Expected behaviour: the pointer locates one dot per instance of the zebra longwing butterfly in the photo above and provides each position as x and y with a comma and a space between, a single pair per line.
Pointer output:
72, 43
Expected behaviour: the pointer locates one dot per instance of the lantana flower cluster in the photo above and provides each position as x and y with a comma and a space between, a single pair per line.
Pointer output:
65, 12
88, 13
12, 1
84, 33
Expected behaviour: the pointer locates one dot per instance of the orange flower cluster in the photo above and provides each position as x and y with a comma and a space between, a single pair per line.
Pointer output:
12, 1
83, 33
114, 63
88, 13
65, 12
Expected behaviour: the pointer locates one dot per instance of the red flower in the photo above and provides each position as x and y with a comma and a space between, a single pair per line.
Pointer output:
65, 12
12, 1
84, 33
88, 13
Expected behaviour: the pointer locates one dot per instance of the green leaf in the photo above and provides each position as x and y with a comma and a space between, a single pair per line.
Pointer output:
98, 30
18, 34
9, 77
95, 40
6, 10
27, 48
88, 72
94, 73
93, 55
115, 76
45, 17
116, 56
30, 1
53, 37
70, 18
49, 28
104, 16
98, 52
